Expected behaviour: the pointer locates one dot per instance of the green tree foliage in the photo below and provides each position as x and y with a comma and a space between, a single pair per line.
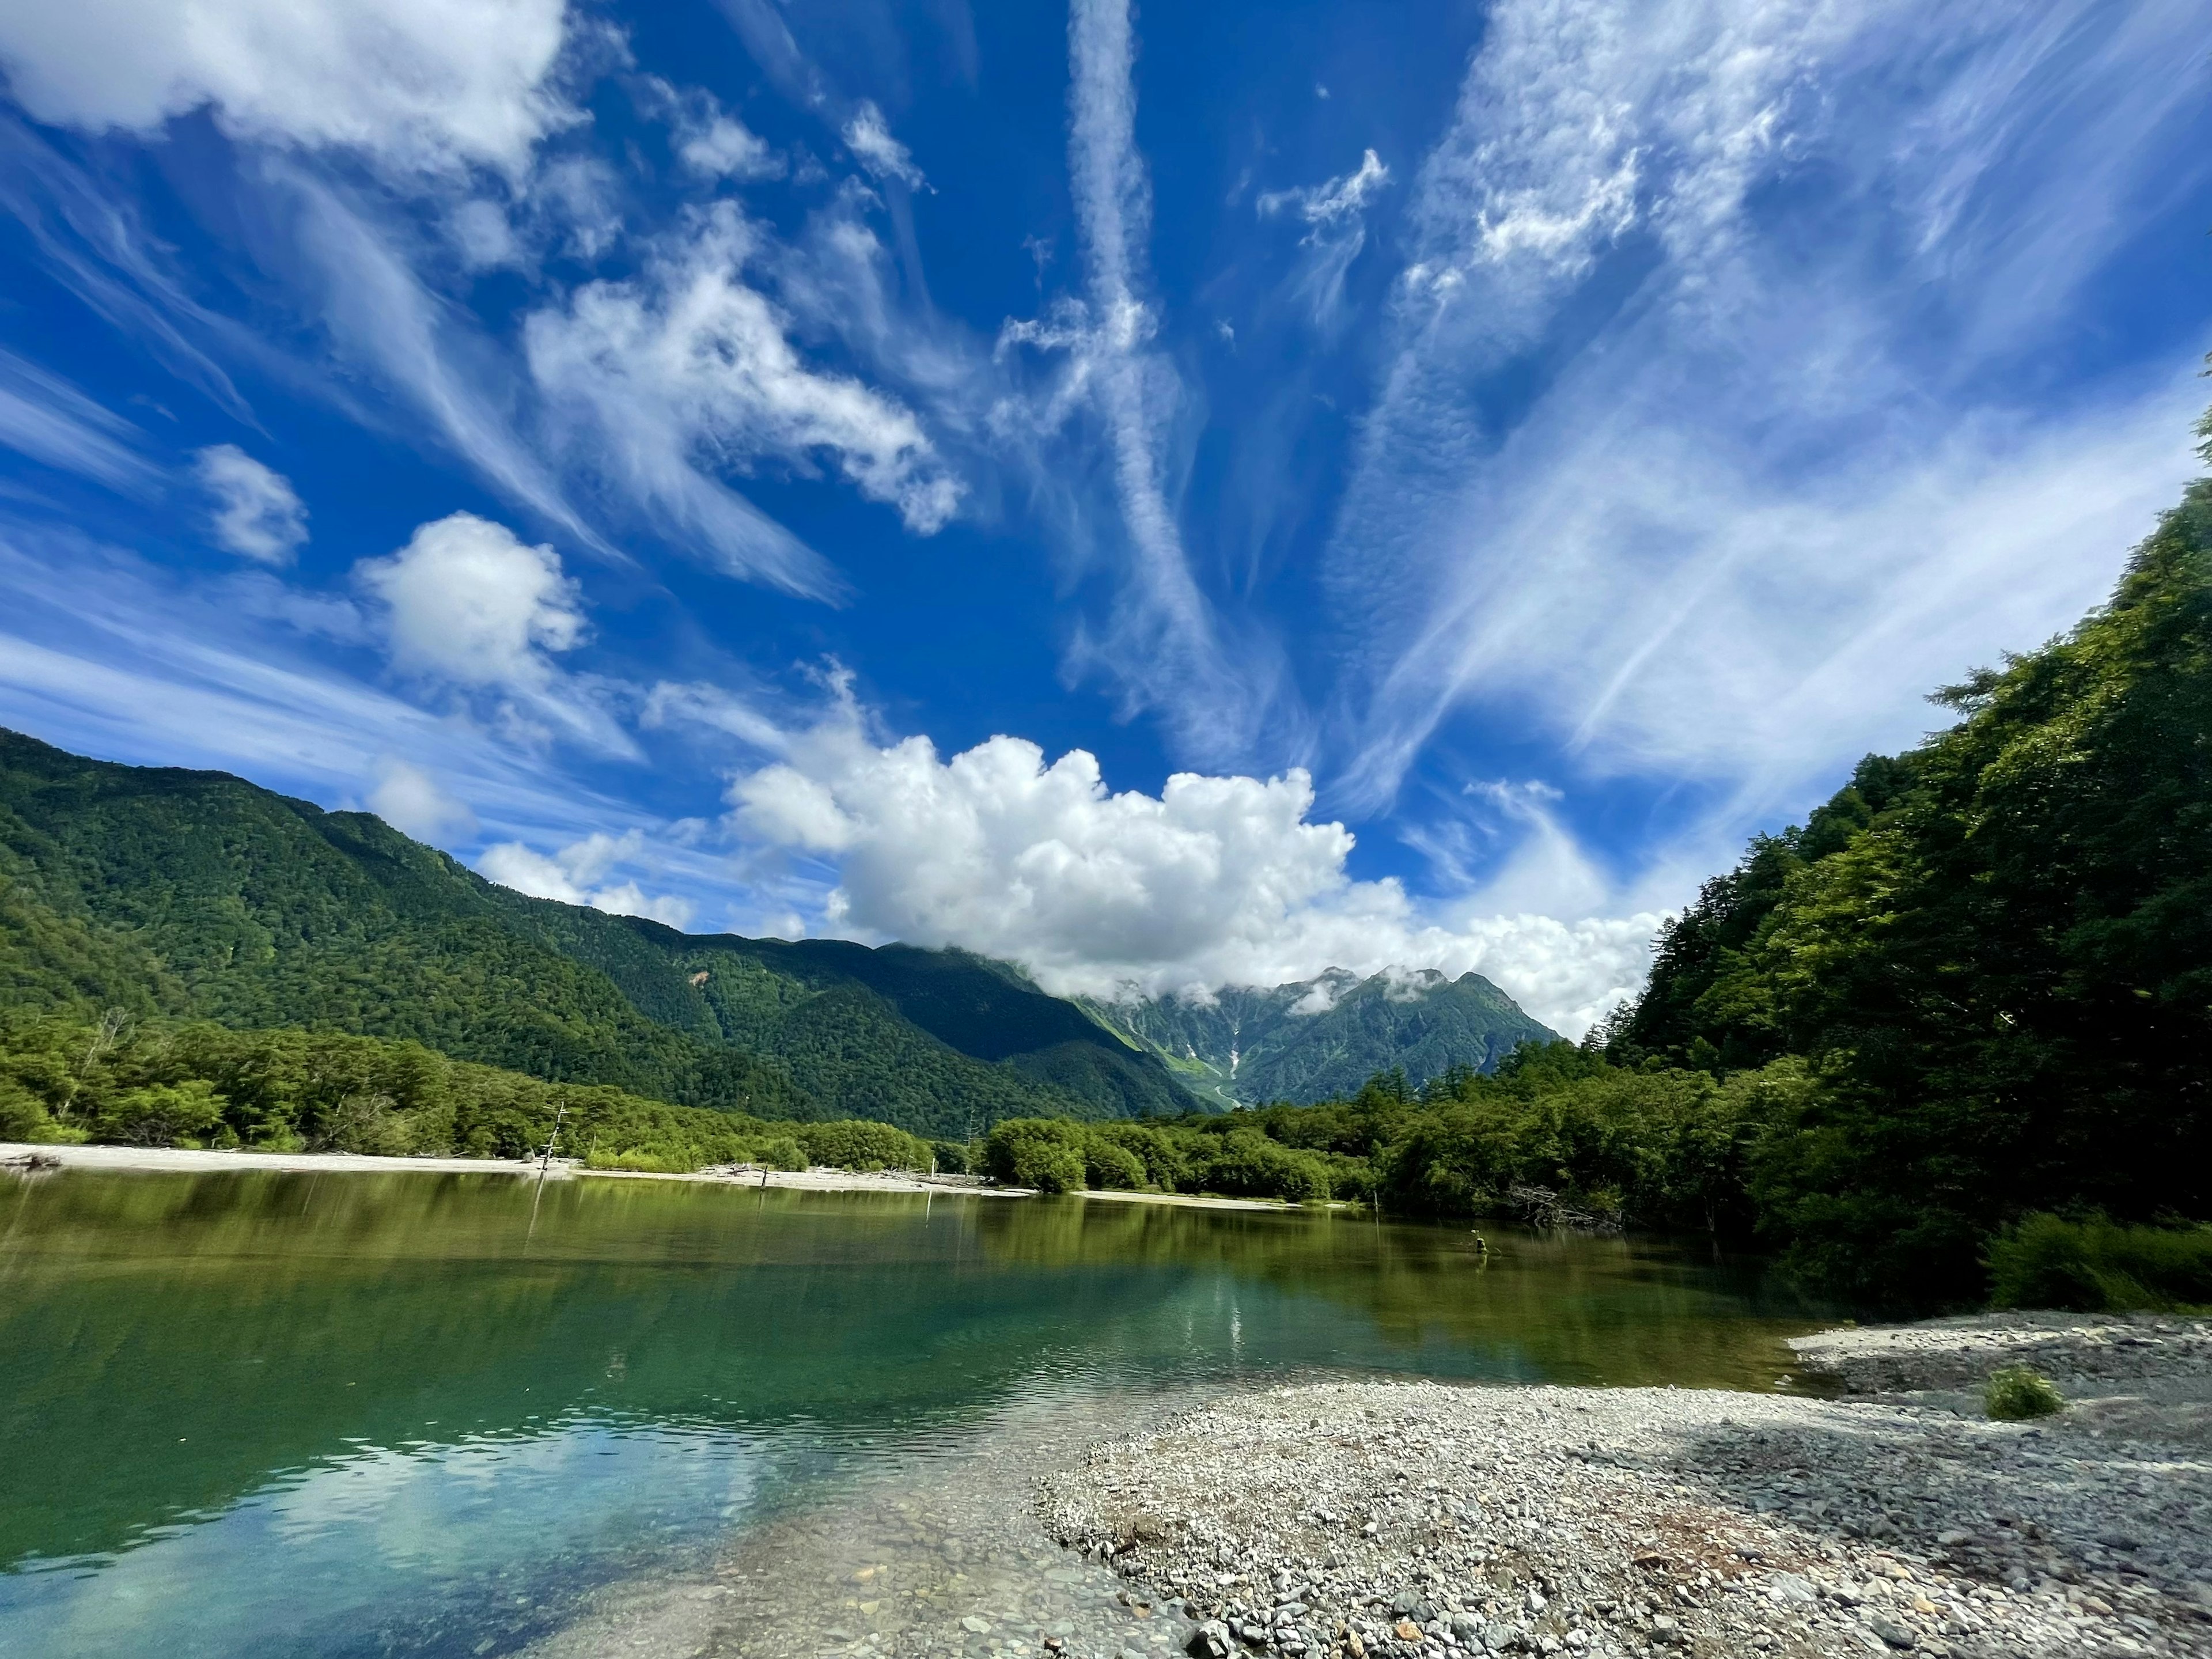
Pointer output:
2015, 1394
1992, 956
1044, 1153
154, 1083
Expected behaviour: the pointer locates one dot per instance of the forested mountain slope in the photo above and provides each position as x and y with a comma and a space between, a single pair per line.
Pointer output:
198, 894
1321, 1039
1989, 959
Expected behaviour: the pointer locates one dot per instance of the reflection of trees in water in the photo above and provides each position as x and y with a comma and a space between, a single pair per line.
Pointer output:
169, 1343
1559, 1308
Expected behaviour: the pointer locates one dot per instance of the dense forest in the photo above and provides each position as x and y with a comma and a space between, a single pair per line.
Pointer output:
1987, 961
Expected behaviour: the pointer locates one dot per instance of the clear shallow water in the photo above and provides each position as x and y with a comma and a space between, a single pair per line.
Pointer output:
337, 1415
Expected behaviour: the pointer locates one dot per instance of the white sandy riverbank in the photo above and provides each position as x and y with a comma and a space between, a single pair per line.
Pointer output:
20, 1157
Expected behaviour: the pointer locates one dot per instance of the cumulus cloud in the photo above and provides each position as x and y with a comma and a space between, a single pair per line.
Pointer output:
1214, 881
423, 84
258, 514
470, 605
412, 801
873, 146
670, 378
575, 874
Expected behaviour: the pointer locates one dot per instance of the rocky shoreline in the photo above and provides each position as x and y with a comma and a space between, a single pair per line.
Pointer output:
1419, 1520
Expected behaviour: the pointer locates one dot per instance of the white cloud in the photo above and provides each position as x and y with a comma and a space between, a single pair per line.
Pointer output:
470, 605
382, 317
873, 147
1334, 214
1334, 200
575, 875
103, 653
669, 380
482, 235
1217, 880
412, 801
258, 514
1163, 643
49, 420
430, 84
724, 148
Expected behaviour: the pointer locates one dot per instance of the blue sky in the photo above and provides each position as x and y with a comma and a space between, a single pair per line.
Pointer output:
1171, 497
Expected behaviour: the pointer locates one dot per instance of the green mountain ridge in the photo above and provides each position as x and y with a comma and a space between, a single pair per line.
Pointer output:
199, 895
1322, 1038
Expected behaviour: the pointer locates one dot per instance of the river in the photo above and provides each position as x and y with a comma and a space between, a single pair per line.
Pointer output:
249, 1413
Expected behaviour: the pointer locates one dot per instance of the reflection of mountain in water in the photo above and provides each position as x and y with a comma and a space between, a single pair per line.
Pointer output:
1320, 1039
168, 1343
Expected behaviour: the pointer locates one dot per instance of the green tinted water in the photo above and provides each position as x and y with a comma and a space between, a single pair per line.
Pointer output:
417, 1414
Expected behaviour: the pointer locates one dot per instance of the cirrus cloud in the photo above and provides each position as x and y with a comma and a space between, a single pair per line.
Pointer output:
671, 379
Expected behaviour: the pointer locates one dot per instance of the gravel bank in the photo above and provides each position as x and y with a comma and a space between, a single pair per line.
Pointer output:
2142, 1376
1416, 1521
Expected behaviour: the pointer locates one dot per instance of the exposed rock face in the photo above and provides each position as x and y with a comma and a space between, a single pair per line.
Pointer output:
1322, 1038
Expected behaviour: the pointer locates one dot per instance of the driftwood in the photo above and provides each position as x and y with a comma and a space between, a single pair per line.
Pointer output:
1543, 1209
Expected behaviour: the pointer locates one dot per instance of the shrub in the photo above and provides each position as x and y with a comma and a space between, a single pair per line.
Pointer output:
23, 1115
1108, 1166
2098, 1265
1042, 1152
781, 1152
1166, 1163
655, 1161
365, 1122
163, 1115
856, 1144
2016, 1393
1250, 1165
952, 1156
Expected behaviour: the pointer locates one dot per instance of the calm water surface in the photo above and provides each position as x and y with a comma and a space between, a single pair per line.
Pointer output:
349, 1414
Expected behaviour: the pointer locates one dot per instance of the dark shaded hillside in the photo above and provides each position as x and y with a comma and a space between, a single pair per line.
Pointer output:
984, 1008
196, 893
1322, 1038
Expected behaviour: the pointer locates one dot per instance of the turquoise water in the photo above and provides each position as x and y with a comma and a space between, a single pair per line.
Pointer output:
422, 1414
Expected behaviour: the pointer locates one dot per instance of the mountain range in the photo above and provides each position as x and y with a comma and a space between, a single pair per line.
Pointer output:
1320, 1039
198, 894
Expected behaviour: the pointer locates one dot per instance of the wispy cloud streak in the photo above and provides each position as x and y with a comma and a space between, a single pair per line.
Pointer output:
1782, 469
1164, 643
45, 417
